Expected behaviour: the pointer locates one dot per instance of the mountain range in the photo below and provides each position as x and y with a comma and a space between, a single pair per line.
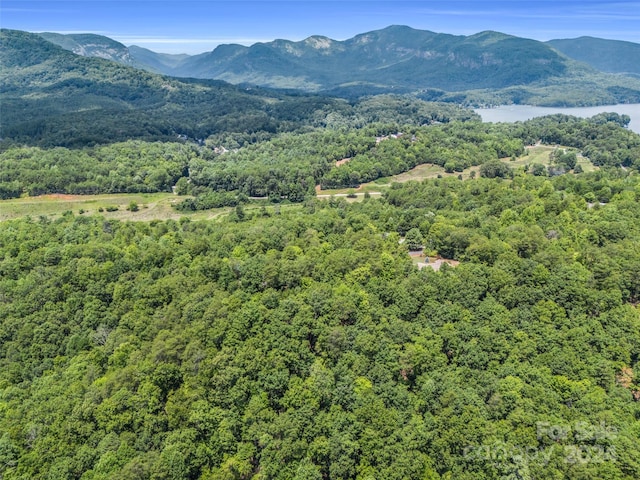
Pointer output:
612, 56
50, 96
396, 58
54, 91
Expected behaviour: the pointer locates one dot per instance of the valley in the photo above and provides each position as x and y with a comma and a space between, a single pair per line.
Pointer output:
161, 206
487, 68
207, 281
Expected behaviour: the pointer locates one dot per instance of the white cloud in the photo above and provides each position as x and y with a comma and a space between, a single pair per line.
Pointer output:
186, 41
75, 32
182, 45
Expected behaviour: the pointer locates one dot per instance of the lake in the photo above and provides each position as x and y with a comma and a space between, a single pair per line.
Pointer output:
514, 113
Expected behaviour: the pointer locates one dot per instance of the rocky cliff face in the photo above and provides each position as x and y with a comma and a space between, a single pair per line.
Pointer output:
90, 45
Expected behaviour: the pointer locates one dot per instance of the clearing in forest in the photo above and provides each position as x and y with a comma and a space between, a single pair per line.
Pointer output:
533, 154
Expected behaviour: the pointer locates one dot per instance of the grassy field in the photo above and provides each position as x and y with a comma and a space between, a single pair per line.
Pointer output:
158, 206
536, 154
540, 154
419, 173
151, 206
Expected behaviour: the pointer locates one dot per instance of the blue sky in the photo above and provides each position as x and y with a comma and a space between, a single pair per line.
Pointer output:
196, 26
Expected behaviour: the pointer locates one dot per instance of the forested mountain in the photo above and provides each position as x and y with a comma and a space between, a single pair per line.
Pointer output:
318, 341
53, 97
400, 56
91, 45
489, 67
407, 58
613, 56
156, 62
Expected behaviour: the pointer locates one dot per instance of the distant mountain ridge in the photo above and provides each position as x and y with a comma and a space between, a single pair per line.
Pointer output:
394, 55
488, 68
91, 45
397, 57
612, 56
155, 62
484, 68
50, 96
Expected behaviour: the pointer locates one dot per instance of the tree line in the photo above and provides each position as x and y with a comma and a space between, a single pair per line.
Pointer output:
289, 165
304, 343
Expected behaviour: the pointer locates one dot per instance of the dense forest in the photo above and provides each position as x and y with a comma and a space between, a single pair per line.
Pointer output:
307, 345
52, 97
484, 68
486, 328
230, 167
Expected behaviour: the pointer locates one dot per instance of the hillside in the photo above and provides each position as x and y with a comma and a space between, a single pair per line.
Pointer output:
607, 55
90, 45
406, 58
155, 62
52, 97
485, 68
481, 324
304, 344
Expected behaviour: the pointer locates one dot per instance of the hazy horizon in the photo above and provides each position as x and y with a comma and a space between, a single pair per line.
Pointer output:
194, 27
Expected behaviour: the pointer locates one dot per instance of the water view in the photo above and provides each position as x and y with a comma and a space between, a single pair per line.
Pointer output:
515, 113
